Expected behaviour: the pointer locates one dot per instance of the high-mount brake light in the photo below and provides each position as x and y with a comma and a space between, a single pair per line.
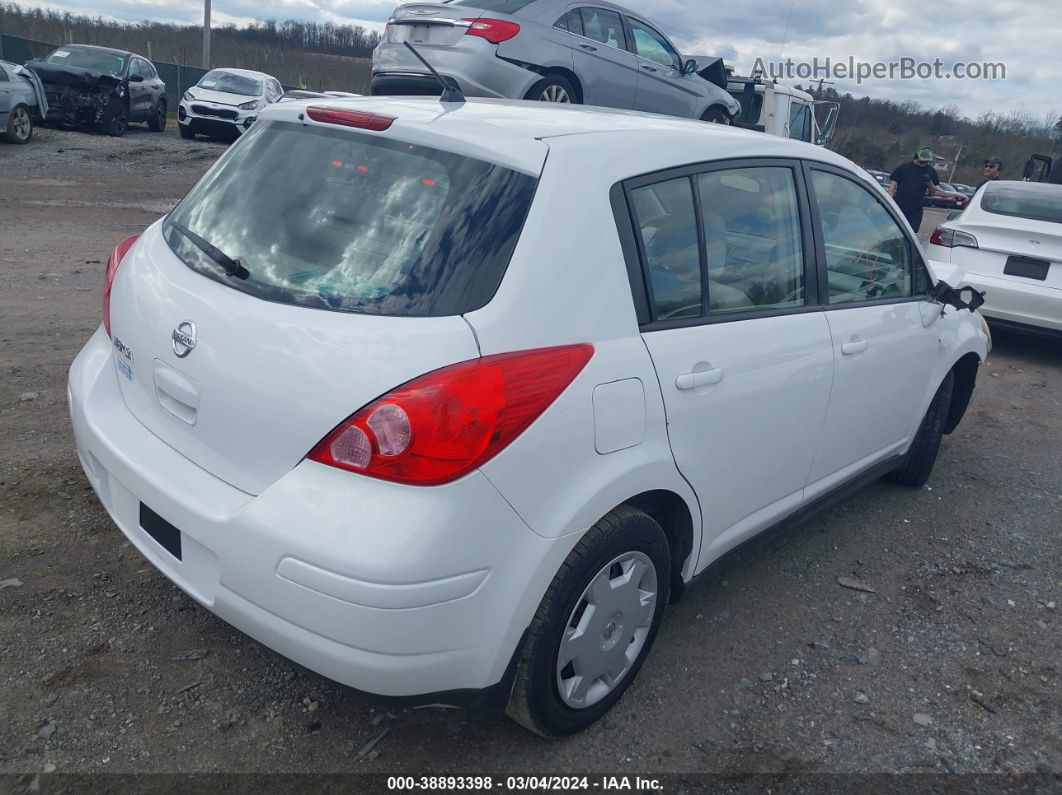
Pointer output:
446, 423
493, 30
358, 119
108, 280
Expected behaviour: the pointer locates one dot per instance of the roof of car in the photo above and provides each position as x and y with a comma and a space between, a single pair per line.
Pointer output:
517, 133
99, 48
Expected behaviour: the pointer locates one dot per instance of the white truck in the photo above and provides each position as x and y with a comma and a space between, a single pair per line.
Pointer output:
770, 107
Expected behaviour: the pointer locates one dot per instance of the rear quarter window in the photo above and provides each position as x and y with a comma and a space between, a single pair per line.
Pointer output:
348, 221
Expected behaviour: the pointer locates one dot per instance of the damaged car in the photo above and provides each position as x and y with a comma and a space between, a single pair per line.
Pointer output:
550, 50
22, 103
99, 88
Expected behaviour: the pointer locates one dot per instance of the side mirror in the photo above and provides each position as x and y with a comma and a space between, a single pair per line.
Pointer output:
689, 67
136, 79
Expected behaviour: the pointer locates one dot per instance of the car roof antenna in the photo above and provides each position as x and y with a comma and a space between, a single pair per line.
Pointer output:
451, 90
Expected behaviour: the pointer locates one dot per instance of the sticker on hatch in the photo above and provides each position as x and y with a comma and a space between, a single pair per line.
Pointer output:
123, 358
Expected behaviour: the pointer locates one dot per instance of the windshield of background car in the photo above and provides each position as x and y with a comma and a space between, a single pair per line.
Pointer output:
1024, 200
231, 83
342, 220
107, 63
505, 6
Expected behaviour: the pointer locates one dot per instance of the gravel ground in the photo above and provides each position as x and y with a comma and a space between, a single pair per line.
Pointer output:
946, 661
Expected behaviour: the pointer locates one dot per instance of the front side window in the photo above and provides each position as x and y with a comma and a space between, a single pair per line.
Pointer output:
651, 45
868, 257
346, 221
603, 26
752, 235
800, 122
134, 68
667, 224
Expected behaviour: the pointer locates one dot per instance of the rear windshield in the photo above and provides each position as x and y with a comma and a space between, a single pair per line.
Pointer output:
231, 83
1024, 200
107, 63
343, 220
505, 6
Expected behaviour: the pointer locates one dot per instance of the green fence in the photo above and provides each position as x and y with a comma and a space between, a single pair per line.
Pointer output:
177, 77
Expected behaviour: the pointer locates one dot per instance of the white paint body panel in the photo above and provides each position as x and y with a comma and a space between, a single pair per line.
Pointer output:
402, 590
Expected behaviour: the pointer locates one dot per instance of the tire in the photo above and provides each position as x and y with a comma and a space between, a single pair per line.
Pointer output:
918, 463
716, 115
19, 126
157, 122
554, 88
624, 544
186, 131
117, 121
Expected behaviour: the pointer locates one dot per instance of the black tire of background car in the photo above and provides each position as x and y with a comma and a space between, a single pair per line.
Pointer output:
539, 89
117, 119
535, 702
157, 122
918, 463
716, 115
19, 126
186, 131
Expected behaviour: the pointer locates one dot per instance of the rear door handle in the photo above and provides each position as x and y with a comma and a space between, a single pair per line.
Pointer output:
699, 378
855, 346
648, 68
588, 47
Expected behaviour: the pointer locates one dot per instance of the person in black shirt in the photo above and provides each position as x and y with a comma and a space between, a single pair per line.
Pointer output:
909, 184
993, 170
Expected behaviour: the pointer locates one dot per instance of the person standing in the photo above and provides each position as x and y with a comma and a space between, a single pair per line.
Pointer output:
993, 170
909, 184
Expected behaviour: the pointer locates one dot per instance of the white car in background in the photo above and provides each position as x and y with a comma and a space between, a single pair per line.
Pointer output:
449, 401
225, 102
1009, 243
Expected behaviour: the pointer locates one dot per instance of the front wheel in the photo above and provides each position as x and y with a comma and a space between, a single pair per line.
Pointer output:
716, 115
595, 625
117, 118
19, 126
553, 89
186, 131
918, 463
157, 122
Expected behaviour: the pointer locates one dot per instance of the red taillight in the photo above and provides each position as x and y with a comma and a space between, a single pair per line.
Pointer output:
493, 30
376, 122
952, 238
444, 424
108, 280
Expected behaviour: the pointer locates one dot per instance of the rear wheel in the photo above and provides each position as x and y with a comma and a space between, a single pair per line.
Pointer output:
157, 122
918, 463
716, 115
595, 625
19, 126
554, 88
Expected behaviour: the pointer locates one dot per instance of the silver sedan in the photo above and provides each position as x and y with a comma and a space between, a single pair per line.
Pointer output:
552, 50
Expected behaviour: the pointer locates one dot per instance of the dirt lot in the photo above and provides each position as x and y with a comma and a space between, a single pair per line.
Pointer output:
952, 663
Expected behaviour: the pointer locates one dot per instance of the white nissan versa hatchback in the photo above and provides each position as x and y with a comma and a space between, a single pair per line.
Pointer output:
448, 401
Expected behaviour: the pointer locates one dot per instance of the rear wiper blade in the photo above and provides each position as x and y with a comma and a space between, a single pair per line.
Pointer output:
233, 267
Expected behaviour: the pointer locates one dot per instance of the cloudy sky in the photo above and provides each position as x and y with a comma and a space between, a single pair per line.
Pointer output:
1024, 36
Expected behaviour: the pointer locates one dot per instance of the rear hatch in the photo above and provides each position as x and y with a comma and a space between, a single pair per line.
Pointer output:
361, 253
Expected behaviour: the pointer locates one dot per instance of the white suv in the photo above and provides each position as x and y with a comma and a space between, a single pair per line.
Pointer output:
451, 401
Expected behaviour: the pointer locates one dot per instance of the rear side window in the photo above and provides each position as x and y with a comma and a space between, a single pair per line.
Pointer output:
667, 223
1024, 200
603, 26
571, 22
3, 75
868, 257
351, 222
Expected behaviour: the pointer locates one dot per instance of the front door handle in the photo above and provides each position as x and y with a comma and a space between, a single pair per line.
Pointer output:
699, 378
855, 346
588, 47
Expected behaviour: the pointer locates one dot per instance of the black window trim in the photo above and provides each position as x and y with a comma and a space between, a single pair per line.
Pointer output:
634, 250
914, 250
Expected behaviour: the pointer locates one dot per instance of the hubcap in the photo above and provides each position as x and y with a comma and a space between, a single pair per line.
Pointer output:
607, 630
556, 94
22, 124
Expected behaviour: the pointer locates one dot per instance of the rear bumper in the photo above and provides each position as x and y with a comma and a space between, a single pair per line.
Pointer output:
1015, 302
391, 590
